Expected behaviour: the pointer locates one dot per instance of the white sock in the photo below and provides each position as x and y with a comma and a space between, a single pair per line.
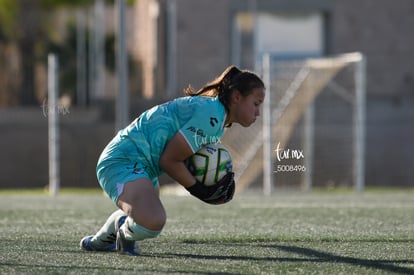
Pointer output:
135, 232
107, 234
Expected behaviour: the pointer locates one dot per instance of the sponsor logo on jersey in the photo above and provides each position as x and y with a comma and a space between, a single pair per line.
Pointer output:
196, 131
213, 121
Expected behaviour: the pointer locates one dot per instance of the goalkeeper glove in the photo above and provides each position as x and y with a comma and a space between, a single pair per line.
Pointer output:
219, 193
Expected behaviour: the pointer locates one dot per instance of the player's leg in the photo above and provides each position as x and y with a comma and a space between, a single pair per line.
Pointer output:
104, 239
146, 215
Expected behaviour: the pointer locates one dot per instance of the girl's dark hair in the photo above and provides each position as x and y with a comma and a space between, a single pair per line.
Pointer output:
231, 79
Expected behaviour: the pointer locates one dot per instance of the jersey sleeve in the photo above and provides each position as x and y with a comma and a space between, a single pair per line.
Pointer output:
204, 127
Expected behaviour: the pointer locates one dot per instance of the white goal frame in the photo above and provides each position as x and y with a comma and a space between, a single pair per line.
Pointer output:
359, 109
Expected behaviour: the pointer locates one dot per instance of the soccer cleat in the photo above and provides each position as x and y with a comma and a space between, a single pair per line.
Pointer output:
123, 245
86, 244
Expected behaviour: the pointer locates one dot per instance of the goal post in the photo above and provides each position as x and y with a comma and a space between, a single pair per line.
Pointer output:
51, 110
267, 130
359, 123
314, 111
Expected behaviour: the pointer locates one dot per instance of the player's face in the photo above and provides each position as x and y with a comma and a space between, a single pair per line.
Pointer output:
247, 108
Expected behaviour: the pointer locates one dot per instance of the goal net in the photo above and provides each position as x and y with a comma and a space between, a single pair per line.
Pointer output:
311, 130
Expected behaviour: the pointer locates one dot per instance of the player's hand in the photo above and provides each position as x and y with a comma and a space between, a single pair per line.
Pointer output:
219, 193
227, 192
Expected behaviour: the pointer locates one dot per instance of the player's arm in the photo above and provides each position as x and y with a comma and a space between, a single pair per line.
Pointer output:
172, 160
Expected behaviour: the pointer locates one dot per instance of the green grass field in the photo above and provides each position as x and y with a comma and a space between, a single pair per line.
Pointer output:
316, 233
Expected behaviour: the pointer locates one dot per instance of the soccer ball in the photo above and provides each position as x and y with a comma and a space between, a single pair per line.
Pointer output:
210, 164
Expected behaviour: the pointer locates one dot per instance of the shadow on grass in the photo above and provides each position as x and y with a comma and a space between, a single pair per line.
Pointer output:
317, 257
385, 265
309, 256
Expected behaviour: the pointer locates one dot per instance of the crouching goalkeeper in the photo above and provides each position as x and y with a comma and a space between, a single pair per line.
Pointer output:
159, 141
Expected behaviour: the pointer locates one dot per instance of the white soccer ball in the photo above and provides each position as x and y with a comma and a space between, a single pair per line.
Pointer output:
210, 164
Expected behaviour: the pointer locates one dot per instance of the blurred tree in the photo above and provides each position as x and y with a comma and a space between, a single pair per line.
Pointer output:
66, 51
8, 12
26, 35
9, 60
22, 25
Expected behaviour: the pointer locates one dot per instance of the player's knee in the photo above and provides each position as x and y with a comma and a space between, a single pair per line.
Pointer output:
159, 222
155, 222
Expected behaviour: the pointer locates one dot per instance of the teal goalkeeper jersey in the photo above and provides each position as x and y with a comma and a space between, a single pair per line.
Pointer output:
199, 119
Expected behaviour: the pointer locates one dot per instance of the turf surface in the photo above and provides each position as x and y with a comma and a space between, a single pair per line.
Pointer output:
317, 233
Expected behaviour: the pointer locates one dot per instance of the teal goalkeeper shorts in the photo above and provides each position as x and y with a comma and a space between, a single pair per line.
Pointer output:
115, 168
